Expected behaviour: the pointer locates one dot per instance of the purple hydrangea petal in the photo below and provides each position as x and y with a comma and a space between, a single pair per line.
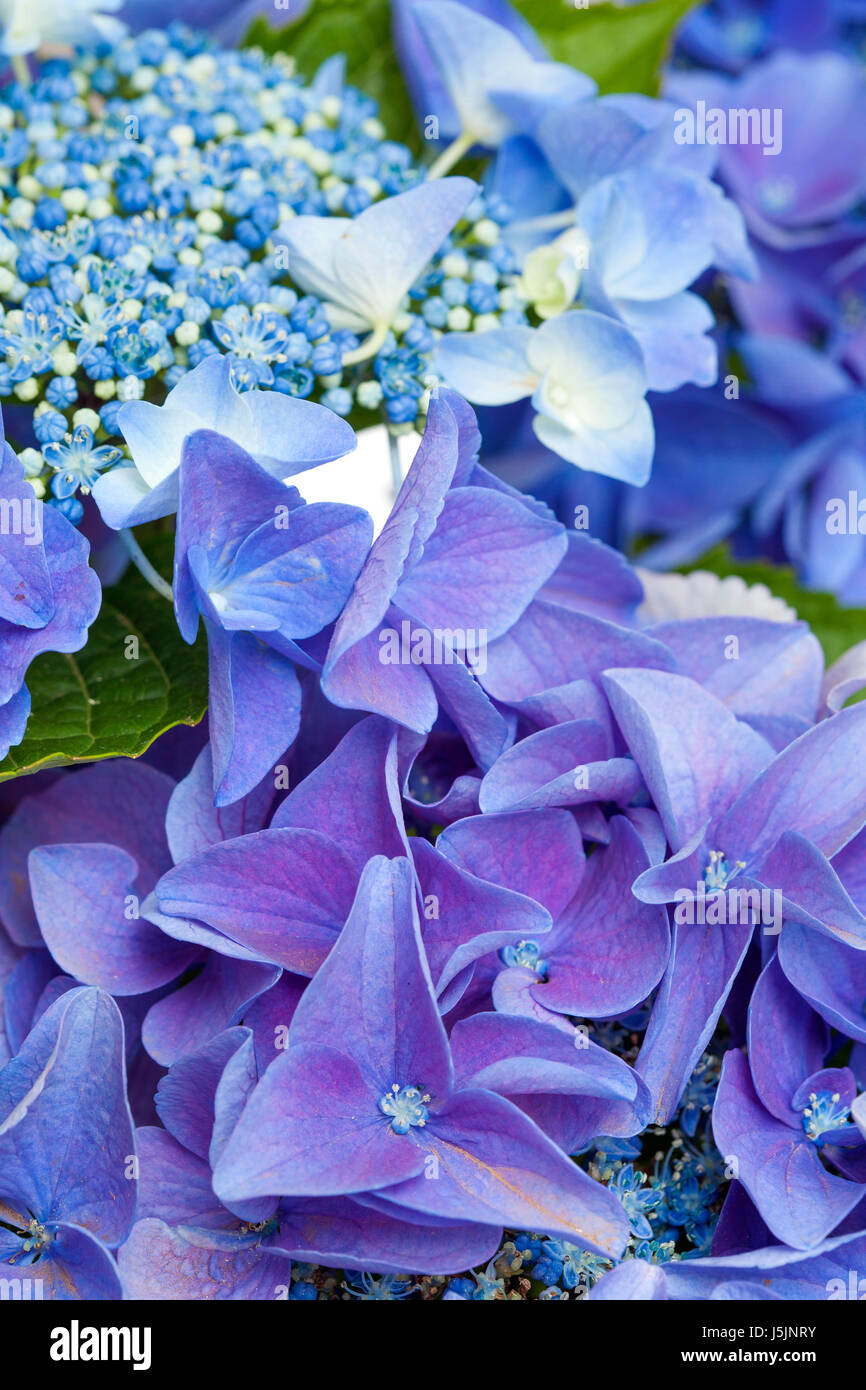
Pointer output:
378, 971
122, 803
778, 669
192, 822
704, 962
493, 1160
339, 1232
86, 901
787, 1042
608, 951
159, 1263
812, 787
800, 1201
537, 853
694, 765
829, 974
282, 894
186, 1096
215, 999
66, 1137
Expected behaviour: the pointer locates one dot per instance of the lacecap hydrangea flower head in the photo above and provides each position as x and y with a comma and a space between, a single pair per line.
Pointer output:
502, 932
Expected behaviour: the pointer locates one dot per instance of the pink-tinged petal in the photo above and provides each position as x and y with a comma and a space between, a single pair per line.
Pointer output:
694, 754
234, 1088
551, 646
572, 1088
844, 678
513, 993
269, 1017
360, 679
361, 771
850, 865
667, 878
493, 1164
812, 892
594, 578
576, 700
562, 766
313, 1127
401, 542
157, 1264
648, 825
780, 1169
175, 1184
87, 902
185, 1097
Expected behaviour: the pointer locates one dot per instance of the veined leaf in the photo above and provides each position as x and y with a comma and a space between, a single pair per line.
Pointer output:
135, 678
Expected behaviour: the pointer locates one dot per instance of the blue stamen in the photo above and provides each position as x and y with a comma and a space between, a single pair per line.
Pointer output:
527, 954
406, 1107
717, 875
825, 1112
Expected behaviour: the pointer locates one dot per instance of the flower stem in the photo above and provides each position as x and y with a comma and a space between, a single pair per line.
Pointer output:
368, 348
21, 69
396, 469
144, 567
550, 222
451, 155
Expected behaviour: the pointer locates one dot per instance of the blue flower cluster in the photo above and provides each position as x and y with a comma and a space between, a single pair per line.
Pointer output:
772, 457
501, 934
142, 186
492, 942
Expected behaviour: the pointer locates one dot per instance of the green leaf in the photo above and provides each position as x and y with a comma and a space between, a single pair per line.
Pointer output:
362, 30
836, 628
104, 701
623, 49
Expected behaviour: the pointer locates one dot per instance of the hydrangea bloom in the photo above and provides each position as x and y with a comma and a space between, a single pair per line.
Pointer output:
502, 932
48, 595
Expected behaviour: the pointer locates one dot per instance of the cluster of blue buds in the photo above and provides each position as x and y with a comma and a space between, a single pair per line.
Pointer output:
141, 186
